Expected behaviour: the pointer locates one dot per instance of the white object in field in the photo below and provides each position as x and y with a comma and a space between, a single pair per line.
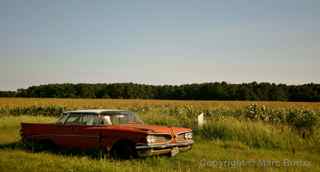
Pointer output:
201, 120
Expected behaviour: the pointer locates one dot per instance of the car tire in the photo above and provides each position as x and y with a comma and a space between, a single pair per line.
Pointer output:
123, 150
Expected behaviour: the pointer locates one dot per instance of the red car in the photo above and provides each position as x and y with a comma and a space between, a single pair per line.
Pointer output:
119, 132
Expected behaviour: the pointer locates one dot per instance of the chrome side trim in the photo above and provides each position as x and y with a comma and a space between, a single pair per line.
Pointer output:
153, 133
65, 135
147, 146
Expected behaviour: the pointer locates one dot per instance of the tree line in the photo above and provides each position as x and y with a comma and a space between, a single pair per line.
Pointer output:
203, 91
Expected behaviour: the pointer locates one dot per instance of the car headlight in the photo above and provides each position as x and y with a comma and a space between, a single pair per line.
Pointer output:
188, 136
158, 138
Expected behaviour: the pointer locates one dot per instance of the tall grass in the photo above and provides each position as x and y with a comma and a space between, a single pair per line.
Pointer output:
10, 125
211, 144
256, 124
254, 134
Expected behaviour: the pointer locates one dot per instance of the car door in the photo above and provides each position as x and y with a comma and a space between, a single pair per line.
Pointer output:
86, 132
60, 133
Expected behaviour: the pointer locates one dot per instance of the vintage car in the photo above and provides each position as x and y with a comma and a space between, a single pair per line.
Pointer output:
120, 133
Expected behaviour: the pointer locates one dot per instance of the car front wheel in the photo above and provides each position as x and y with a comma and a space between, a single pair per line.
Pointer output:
123, 150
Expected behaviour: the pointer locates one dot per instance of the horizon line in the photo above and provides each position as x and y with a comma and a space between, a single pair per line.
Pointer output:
149, 84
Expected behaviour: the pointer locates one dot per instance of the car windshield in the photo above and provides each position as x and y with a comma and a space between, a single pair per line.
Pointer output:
62, 118
120, 117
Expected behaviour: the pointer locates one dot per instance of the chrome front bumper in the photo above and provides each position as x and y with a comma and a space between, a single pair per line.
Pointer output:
158, 149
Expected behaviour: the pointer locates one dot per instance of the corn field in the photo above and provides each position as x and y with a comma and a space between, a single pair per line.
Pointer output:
304, 117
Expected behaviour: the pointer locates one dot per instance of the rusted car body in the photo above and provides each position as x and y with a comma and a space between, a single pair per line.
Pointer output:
119, 132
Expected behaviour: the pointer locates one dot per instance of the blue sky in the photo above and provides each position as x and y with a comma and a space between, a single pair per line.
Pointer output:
158, 42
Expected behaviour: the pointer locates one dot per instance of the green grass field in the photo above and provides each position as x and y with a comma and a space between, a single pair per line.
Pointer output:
226, 143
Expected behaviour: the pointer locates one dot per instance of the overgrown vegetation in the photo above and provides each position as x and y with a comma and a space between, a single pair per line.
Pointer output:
234, 130
222, 139
303, 120
33, 110
252, 133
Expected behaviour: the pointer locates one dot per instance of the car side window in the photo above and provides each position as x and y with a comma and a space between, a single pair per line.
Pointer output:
119, 119
90, 119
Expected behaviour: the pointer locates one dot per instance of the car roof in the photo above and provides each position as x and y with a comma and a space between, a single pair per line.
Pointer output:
97, 111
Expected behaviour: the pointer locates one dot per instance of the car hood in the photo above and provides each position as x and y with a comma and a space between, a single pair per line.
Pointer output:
157, 129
